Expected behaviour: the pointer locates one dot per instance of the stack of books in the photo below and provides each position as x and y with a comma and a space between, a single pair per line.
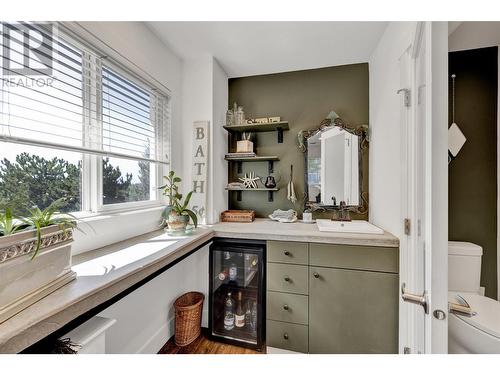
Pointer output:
240, 155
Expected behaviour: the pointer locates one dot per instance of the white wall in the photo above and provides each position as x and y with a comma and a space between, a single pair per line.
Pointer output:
470, 35
385, 127
145, 318
204, 98
219, 164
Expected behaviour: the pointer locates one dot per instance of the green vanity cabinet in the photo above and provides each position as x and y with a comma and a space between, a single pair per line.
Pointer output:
348, 304
352, 311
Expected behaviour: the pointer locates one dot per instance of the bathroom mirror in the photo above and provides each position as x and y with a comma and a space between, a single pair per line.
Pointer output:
334, 164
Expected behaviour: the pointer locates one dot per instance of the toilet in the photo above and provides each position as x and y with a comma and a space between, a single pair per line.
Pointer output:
479, 333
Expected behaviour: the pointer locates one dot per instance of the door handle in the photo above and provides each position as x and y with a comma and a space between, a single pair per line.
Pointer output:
416, 299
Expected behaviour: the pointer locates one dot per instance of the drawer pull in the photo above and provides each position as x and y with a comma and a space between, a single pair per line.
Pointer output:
316, 275
285, 307
287, 279
285, 336
287, 253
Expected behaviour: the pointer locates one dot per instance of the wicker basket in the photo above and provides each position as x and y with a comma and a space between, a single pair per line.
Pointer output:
188, 309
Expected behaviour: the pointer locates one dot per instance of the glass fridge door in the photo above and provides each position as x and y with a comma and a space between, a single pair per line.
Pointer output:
236, 293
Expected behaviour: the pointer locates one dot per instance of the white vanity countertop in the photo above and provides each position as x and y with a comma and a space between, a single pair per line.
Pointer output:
266, 229
106, 272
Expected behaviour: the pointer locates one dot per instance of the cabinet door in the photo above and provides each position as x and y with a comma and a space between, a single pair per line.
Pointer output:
352, 311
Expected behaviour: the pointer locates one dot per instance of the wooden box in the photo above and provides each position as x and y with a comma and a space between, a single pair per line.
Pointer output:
237, 216
244, 146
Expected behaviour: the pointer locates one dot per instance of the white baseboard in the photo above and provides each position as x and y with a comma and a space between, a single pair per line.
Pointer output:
160, 338
164, 333
273, 350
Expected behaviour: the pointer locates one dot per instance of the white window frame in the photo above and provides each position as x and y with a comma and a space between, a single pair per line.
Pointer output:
160, 169
91, 173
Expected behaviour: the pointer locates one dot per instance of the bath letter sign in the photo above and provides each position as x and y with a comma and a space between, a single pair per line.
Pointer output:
200, 166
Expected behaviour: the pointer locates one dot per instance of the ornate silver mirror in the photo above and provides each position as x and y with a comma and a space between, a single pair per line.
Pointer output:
335, 155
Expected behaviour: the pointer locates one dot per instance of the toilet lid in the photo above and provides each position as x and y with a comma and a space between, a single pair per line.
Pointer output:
487, 318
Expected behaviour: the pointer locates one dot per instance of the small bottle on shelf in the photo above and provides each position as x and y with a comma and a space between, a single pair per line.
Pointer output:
228, 313
227, 255
248, 313
253, 323
239, 316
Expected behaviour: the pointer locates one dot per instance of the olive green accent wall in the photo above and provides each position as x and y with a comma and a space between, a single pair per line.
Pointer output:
303, 98
472, 174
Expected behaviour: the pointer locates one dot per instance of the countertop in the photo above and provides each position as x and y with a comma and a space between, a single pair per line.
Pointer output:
267, 229
106, 272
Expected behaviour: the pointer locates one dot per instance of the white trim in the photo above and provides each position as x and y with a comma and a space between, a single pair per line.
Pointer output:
407, 334
436, 192
129, 206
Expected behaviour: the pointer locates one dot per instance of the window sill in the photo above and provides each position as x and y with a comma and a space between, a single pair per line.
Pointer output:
89, 216
102, 229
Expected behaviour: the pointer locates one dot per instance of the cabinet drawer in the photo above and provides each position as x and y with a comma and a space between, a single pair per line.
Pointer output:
369, 258
287, 252
287, 278
286, 307
287, 336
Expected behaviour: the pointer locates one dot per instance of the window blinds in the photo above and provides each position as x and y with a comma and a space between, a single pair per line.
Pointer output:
67, 97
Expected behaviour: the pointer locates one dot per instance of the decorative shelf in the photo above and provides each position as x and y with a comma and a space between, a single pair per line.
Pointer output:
253, 158
251, 189
267, 127
270, 192
270, 160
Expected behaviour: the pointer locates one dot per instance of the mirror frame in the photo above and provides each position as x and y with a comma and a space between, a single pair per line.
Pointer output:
359, 130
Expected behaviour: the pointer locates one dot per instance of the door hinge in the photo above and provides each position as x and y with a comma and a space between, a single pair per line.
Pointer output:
406, 97
406, 350
407, 224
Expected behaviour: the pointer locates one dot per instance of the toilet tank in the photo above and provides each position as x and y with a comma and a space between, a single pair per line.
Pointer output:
464, 266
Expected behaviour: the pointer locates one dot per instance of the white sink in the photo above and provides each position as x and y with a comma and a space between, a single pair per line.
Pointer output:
354, 226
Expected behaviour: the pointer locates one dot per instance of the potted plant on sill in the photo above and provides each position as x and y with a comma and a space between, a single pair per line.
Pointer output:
176, 214
35, 256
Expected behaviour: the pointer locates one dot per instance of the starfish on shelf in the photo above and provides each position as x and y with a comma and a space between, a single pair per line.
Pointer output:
250, 180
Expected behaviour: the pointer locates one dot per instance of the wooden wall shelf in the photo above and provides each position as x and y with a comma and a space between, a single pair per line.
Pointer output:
253, 158
267, 127
251, 189
270, 160
270, 192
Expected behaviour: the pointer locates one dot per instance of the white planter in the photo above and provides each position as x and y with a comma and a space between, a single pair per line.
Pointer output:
24, 281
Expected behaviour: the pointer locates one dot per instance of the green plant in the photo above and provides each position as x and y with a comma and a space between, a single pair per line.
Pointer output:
38, 219
175, 203
9, 224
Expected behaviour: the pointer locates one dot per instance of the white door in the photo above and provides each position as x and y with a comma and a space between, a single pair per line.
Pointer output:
424, 253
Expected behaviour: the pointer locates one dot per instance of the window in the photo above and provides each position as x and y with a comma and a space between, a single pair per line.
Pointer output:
127, 126
76, 125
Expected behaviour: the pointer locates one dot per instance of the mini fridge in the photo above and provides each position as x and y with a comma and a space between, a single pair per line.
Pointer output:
237, 292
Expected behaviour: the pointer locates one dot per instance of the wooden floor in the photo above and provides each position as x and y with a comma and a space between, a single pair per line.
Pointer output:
202, 345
